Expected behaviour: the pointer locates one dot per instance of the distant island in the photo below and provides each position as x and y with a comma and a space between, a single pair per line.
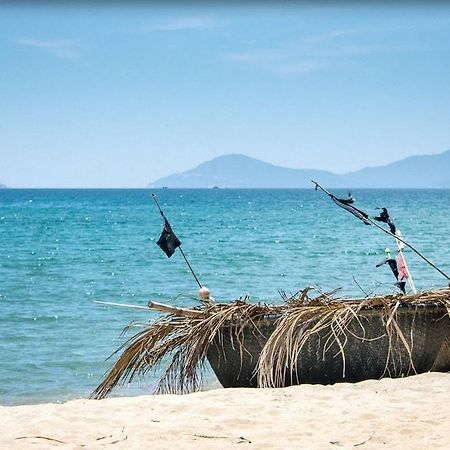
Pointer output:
240, 171
2, 186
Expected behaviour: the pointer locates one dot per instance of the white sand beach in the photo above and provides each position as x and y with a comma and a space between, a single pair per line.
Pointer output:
404, 413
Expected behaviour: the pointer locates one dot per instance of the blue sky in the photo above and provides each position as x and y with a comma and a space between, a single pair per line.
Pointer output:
118, 96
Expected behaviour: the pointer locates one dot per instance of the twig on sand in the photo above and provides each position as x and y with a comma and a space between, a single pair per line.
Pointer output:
241, 439
205, 436
363, 442
40, 437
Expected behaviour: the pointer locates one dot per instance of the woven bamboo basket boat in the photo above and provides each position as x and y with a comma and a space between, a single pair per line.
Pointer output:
305, 340
367, 350
442, 361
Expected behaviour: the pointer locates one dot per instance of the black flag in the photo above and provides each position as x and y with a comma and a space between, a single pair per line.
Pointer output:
168, 242
345, 204
384, 217
361, 215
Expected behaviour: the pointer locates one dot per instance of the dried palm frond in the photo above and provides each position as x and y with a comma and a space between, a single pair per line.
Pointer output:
186, 340
331, 318
280, 354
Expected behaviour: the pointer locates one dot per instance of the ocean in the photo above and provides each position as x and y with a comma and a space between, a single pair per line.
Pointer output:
62, 249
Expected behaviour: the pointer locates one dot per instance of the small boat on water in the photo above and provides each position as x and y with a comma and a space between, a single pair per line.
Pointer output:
309, 338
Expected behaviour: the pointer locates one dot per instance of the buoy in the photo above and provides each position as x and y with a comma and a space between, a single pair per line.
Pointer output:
204, 293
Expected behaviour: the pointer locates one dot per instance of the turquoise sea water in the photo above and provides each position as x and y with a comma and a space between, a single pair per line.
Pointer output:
62, 249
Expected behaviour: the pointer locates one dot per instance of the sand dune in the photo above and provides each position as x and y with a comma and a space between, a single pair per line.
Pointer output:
408, 413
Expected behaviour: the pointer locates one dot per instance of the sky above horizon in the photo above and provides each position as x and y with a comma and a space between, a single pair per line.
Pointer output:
119, 96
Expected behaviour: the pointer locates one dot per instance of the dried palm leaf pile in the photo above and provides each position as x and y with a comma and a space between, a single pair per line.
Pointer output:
307, 339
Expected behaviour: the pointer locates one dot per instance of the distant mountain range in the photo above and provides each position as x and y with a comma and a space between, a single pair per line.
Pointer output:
2, 186
239, 171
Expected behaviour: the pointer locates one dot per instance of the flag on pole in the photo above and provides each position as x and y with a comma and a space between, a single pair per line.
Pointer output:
361, 215
384, 217
402, 270
345, 204
168, 241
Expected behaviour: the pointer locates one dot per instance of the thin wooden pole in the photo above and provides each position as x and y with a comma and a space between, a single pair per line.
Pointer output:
411, 247
181, 250
190, 268
122, 305
176, 311
183, 312
400, 248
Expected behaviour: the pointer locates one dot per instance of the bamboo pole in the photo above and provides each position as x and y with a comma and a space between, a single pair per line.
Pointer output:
400, 252
183, 312
181, 250
122, 305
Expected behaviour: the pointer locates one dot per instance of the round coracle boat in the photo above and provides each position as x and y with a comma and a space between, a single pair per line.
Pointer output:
370, 344
442, 361
305, 340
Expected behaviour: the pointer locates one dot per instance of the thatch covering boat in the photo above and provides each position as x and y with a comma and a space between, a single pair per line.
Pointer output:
326, 346
305, 340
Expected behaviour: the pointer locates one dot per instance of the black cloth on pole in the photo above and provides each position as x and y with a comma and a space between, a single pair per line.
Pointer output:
393, 265
361, 215
168, 241
384, 217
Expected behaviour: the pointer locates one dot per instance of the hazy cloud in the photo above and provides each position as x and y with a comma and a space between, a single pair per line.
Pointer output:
329, 36
186, 23
314, 52
280, 60
61, 48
